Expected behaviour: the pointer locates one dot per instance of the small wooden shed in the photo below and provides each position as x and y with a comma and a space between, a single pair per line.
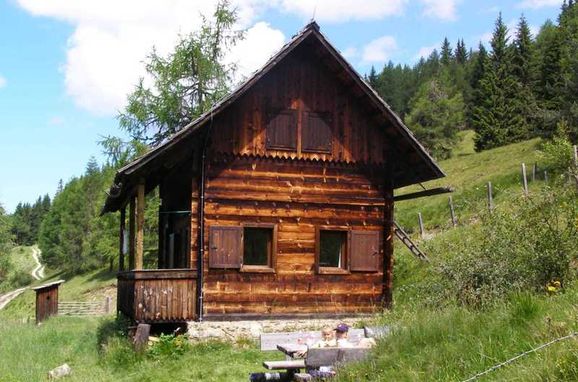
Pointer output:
47, 300
278, 202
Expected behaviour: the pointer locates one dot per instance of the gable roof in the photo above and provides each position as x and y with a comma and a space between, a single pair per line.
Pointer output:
128, 176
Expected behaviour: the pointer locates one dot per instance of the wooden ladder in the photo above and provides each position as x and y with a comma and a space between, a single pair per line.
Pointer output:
404, 237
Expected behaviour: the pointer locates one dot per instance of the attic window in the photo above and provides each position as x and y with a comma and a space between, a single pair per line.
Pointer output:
282, 130
317, 133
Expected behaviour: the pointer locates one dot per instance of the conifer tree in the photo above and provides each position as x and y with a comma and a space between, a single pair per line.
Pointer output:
461, 53
498, 117
446, 56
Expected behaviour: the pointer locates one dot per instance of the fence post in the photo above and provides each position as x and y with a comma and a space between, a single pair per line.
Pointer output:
421, 230
545, 176
534, 169
107, 305
490, 197
452, 212
524, 179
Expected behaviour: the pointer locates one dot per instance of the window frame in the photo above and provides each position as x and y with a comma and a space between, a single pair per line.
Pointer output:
272, 257
332, 270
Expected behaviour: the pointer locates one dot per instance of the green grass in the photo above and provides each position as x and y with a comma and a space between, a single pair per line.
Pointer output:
455, 343
22, 260
468, 173
28, 352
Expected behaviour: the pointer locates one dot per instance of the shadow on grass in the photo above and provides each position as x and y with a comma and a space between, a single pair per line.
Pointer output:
103, 275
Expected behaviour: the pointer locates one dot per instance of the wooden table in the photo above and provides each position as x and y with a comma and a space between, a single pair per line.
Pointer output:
291, 349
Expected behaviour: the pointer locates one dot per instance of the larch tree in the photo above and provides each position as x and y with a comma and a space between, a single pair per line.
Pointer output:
186, 83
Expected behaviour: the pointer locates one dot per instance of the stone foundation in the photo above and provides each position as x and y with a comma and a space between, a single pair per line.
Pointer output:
233, 330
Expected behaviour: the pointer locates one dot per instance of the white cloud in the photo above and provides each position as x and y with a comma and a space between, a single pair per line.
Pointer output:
535, 4
105, 53
440, 9
2, 82
425, 51
343, 10
379, 50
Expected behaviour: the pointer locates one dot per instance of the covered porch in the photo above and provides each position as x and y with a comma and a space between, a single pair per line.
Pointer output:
166, 291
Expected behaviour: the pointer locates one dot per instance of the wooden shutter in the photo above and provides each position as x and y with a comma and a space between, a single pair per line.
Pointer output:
316, 134
282, 130
364, 251
225, 247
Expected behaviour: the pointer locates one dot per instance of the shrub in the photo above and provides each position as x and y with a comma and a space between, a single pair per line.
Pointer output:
523, 248
169, 345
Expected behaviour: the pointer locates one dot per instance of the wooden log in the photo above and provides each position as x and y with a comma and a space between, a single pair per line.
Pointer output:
140, 207
141, 337
421, 229
131, 232
121, 239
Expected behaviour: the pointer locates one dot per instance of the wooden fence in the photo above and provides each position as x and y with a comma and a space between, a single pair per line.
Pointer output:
84, 308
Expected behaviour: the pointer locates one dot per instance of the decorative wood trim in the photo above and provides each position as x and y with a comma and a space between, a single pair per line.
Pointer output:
131, 232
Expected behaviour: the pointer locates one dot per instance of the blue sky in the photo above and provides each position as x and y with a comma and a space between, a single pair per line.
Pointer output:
66, 66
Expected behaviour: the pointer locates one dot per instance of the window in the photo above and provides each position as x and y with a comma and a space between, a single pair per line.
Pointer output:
282, 130
257, 246
331, 251
342, 251
316, 134
250, 248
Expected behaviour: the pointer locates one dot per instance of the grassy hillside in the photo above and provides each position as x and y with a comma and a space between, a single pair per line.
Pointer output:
22, 263
468, 173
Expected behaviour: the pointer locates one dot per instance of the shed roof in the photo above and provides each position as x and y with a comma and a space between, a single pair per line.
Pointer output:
128, 176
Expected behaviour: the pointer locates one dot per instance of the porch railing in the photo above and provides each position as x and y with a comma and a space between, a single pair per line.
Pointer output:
158, 296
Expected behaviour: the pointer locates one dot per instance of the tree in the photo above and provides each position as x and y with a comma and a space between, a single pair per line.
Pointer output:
437, 114
461, 53
446, 54
498, 117
185, 84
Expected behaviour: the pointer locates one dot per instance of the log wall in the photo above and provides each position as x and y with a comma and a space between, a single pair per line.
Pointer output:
296, 196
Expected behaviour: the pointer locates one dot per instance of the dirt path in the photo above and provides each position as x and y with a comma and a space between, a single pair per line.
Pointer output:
7, 297
38, 272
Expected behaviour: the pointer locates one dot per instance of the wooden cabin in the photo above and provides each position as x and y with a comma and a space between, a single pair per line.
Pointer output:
278, 202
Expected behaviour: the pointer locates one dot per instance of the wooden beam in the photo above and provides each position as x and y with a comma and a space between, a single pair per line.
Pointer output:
121, 239
420, 194
131, 231
140, 208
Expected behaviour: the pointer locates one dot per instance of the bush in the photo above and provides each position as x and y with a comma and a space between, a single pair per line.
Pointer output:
520, 249
169, 345
20, 278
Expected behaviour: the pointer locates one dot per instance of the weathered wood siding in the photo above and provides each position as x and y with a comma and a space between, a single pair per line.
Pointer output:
297, 196
158, 295
303, 84
46, 302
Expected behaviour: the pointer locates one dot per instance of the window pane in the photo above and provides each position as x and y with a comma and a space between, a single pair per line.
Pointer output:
257, 246
332, 248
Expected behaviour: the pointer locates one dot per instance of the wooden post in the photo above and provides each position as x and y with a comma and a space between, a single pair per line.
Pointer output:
121, 239
490, 197
534, 169
140, 207
420, 221
524, 179
141, 337
545, 176
387, 292
107, 304
452, 212
131, 232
